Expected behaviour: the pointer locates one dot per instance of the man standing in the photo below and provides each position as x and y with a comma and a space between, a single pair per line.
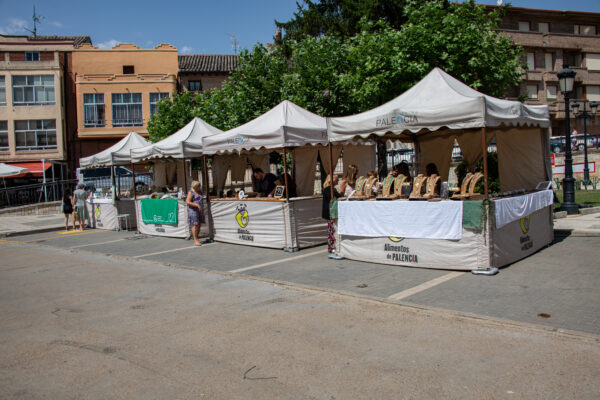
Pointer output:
266, 182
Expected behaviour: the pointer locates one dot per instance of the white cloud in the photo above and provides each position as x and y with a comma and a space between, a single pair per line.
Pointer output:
186, 50
55, 24
15, 26
109, 44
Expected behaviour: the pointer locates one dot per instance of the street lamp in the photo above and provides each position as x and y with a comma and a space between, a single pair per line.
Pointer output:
585, 115
566, 79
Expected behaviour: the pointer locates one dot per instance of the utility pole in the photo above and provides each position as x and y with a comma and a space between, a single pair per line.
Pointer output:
36, 19
234, 42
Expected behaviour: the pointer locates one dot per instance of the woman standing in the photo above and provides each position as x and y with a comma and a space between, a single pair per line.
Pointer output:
79, 198
329, 193
195, 210
67, 207
349, 180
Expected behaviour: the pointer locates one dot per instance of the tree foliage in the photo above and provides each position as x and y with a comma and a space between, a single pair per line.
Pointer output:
332, 75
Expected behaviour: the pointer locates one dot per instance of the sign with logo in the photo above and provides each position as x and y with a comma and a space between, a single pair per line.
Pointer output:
396, 118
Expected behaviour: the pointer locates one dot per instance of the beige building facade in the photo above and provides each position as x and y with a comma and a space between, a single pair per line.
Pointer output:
117, 91
202, 72
33, 109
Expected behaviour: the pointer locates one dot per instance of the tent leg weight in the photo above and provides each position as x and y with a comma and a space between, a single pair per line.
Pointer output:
290, 249
489, 271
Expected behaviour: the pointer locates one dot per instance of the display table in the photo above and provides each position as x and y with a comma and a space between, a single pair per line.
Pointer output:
180, 229
268, 222
487, 235
103, 212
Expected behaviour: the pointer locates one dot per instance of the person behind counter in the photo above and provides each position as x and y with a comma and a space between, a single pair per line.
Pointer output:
195, 211
330, 193
280, 181
348, 182
266, 182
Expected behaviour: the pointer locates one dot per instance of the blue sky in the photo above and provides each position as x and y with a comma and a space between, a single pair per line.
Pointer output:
200, 26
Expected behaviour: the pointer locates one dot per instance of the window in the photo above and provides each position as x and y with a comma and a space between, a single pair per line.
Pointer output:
154, 99
531, 61
93, 110
33, 90
532, 91
32, 56
592, 93
549, 61
37, 134
550, 92
2, 91
587, 30
127, 109
3, 135
524, 25
543, 27
128, 69
592, 62
195, 86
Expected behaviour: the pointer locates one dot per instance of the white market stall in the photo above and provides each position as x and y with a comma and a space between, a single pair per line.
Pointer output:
168, 157
289, 223
112, 213
446, 234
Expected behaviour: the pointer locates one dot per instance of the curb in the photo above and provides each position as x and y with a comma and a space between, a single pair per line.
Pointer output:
576, 233
30, 232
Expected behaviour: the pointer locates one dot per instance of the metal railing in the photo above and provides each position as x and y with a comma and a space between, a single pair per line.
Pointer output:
36, 193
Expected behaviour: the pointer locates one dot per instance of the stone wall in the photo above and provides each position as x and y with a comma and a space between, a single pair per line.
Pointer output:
54, 207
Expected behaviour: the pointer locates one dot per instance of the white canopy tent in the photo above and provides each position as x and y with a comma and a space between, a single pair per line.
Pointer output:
439, 109
117, 154
185, 143
10, 170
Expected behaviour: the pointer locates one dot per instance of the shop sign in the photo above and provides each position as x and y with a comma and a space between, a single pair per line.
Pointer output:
399, 253
396, 118
525, 239
242, 218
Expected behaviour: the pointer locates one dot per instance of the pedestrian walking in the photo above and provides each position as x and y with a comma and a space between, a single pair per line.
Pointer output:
194, 202
67, 207
79, 206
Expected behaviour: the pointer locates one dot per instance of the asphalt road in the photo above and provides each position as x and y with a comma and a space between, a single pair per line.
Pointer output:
78, 324
556, 287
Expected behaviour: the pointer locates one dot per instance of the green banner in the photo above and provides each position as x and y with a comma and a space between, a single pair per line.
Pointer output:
159, 211
473, 214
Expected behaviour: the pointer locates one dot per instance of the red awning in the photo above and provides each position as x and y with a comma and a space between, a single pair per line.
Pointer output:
35, 169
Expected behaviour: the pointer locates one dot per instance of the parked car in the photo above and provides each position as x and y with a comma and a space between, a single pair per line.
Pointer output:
557, 144
578, 142
100, 178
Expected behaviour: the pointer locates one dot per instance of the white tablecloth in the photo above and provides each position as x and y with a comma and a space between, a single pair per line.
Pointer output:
514, 208
408, 219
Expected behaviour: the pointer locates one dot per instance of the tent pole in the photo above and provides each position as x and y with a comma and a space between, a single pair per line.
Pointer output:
44, 179
285, 174
206, 189
331, 168
485, 166
114, 185
185, 187
133, 180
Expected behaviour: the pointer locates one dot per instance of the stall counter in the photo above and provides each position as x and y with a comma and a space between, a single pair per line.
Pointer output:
103, 213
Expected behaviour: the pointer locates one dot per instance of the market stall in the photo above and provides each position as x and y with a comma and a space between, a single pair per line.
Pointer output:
463, 234
288, 222
168, 216
113, 212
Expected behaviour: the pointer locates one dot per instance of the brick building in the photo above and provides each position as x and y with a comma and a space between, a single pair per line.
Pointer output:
551, 38
36, 111
199, 72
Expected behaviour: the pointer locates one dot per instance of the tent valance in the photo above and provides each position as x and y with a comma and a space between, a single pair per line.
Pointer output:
185, 143
285, 125
438, 100
117, 154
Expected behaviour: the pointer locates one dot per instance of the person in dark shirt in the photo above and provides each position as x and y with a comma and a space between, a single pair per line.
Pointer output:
266, 182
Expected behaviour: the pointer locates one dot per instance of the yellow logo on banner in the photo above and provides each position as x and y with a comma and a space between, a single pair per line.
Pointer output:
242, 216
396, 239
525, 224
98, 212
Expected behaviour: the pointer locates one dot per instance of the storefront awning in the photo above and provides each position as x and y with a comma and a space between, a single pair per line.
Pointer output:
35, 169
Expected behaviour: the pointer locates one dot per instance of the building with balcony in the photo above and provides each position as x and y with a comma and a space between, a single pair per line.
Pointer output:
200, 72
551, 38
35, 114
117, 91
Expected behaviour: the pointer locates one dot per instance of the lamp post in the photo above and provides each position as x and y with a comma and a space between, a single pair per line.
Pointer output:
566, 79
585, 115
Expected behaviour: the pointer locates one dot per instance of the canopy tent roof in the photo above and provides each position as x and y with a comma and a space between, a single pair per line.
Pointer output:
11, 170
185, 143
285, 125
438, 100
117, 154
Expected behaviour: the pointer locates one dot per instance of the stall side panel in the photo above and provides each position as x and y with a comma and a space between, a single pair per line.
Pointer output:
181, 230
310, 227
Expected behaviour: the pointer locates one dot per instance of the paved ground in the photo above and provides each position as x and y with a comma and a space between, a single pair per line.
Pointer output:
556, 287
78, 324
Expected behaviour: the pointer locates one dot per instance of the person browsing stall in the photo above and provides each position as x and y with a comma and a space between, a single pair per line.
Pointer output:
195, 211
329, 193
266, 182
